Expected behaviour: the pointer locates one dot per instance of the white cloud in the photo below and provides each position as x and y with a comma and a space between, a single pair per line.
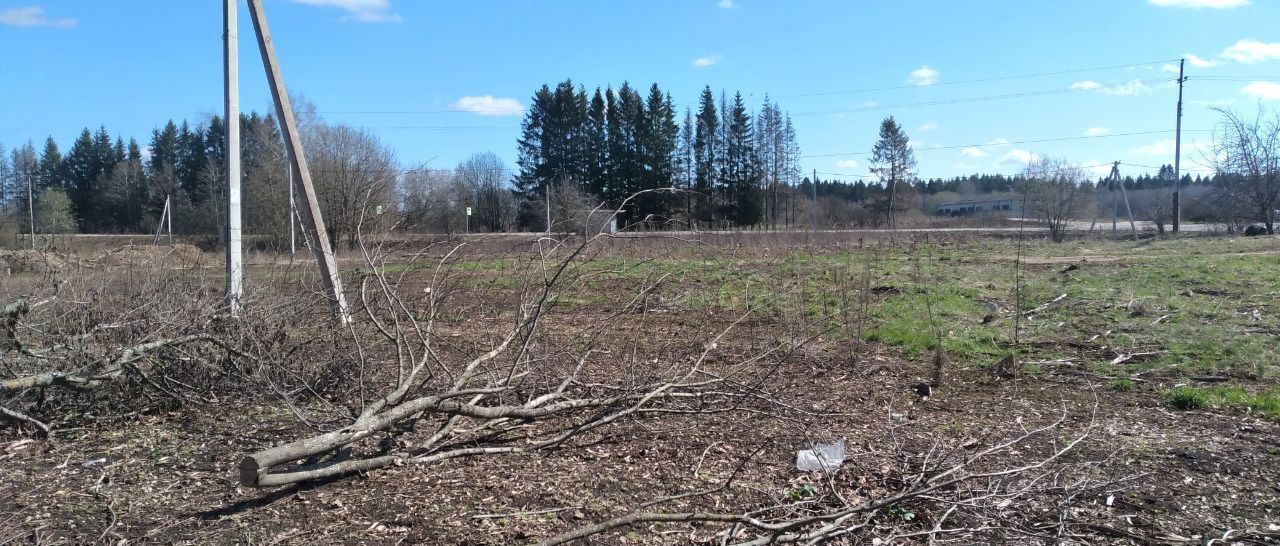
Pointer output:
929, 126
1198, 4
1135, 87
1263, 90
363, 11
973, 151
847, 164
1157, 148
487, 105
1170, 68
1197, 61
32, 16
1097, 131
727, 4
999, 142
1017, 157
1251, 51
923, 76
709, 60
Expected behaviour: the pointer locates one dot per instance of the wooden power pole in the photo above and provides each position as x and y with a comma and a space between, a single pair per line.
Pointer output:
231, 58
312, 221
1115, 175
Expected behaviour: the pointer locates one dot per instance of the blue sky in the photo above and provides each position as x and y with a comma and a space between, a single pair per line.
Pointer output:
449, 71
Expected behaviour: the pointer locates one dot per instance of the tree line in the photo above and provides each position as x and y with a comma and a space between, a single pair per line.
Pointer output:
624, 150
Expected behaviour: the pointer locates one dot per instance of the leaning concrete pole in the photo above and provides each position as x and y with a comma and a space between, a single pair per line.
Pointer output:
231, 58
312, 221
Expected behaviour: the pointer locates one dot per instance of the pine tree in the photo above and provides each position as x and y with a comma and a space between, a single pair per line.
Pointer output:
656, 133
893, 161
686, 162
706, 156
50, 172
161, 169
597, 135
740, 171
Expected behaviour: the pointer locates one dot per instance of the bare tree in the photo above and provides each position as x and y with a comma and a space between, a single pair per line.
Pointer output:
430, 201
493, 206
1056, 192
354, 174
1154, 206
1247, 159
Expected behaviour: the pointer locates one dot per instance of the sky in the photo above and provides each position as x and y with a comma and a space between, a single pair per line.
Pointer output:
979, 86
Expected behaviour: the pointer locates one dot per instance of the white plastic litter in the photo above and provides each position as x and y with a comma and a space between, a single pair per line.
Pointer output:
822, 456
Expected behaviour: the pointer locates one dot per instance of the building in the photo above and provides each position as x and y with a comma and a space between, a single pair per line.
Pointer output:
991, 207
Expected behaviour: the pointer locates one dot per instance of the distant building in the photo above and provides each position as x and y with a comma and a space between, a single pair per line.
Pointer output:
597, 221
992, 207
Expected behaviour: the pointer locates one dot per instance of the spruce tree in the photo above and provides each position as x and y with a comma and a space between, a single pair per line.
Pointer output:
705, 151
51, 173
740, 171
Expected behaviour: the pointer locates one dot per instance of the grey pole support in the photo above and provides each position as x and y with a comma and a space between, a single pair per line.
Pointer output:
814, 212
1177, 155
31, 206
293, 212
312, 220
235, 268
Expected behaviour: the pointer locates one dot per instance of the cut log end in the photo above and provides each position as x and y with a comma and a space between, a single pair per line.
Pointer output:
249, 472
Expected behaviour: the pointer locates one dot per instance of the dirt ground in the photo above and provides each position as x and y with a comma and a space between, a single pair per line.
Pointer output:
166, 474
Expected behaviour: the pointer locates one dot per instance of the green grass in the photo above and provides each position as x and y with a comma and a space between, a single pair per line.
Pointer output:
1233, 397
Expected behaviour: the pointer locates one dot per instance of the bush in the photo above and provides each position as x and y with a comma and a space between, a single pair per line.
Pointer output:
1187, 398
1255, 230
1123, 384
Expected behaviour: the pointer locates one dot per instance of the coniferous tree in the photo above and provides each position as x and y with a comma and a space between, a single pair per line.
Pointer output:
6, 182
24, 172
597, 135
51, 169
686, 162
740, 170
893, 161
706, 153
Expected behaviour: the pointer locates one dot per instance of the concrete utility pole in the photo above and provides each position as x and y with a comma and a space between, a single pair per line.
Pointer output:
231, 58
1115, 174
31, 206
815, 202
312, 221
293, 211
1177, 154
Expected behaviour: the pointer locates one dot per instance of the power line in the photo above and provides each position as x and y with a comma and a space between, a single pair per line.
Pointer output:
984, 98
1011, 142
978, 80
928, 178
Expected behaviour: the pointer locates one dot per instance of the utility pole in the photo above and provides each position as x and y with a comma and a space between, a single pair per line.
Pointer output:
1177, 154
1115, 174
815, 202
293, 211
1114, 207
312, 220
31, 207
231, 58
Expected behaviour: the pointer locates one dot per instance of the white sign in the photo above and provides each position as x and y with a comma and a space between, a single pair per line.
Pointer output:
468, 211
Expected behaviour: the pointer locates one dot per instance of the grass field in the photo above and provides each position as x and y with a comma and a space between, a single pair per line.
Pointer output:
1162, 355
